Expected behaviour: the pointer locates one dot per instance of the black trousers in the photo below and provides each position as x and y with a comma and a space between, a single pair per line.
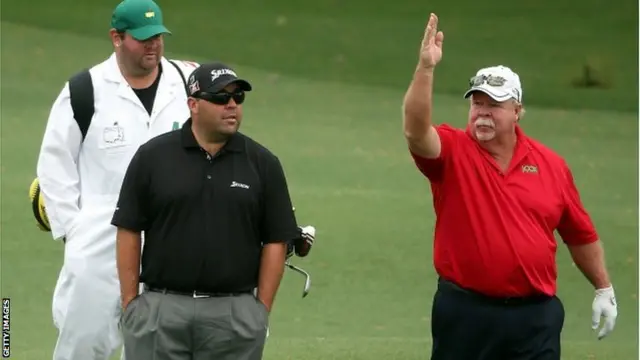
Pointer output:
469, 326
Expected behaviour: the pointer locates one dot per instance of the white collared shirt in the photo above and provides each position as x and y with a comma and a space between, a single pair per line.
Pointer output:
80, 181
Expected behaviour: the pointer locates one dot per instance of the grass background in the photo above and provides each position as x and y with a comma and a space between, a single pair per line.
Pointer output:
329, 79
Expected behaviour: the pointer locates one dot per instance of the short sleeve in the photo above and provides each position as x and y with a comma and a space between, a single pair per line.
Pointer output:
279, 222
433, 169
576, 226
132, 209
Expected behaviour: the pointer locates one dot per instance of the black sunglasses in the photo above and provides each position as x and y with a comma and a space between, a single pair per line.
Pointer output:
490, 80
222, 98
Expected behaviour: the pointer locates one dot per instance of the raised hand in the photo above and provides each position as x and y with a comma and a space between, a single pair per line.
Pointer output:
431, 50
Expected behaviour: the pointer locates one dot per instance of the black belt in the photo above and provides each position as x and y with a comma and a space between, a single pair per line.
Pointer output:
196, 294
448, 286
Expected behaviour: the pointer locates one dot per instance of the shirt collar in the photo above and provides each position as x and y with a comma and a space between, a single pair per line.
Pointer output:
523, 146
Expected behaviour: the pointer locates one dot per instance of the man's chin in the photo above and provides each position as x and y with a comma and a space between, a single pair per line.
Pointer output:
484, 136
227, 132
149, 64
231, 129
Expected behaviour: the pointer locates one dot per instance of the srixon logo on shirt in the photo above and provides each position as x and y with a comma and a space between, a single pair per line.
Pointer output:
240, 185
532, 169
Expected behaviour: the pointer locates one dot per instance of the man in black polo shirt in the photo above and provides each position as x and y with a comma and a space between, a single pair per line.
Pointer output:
217, 217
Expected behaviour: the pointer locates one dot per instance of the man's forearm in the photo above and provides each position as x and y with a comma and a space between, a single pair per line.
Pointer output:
128, 249
271, 271
417, 103
590, 260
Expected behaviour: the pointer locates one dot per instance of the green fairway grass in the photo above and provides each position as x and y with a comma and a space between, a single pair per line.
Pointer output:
548, 42
350, 175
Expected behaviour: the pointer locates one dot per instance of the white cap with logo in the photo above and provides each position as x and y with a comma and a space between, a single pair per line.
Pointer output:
499, 82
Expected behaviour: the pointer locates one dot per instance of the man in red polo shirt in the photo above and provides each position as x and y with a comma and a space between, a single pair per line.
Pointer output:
498, 196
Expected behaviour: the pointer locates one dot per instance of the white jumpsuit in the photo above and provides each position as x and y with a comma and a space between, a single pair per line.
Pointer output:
80, 182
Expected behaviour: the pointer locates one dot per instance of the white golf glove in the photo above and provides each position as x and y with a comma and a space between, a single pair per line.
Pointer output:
309, 234
604, 305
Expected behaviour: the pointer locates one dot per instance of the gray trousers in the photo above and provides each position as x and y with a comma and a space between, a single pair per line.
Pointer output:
157, 326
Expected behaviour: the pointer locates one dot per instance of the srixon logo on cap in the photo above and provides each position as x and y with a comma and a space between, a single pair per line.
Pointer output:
219, 72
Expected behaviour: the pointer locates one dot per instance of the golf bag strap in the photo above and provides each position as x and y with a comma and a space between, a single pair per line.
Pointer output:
81, 96
184, 81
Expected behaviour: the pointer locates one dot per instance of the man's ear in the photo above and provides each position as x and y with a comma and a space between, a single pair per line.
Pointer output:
519, 110
117, 37
193, 105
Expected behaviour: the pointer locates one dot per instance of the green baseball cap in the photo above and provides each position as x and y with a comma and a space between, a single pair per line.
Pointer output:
142, 19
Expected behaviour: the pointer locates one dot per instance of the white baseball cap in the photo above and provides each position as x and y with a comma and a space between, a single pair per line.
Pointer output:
499, 82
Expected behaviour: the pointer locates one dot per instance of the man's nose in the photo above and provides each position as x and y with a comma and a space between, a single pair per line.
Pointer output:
484, 111
152, 42
232, 103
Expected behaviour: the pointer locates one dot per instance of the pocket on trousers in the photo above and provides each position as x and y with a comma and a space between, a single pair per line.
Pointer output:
129, 311
263, 308
560, 317
262, 314
444, 315
73, 228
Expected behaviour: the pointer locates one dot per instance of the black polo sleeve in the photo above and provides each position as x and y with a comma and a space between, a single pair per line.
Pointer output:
279, 222
132, 208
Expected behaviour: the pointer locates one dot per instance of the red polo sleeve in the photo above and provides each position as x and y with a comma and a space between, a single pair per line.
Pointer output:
575, 227
433, 169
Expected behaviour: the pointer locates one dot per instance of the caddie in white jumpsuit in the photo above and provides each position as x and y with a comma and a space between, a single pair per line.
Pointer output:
138, 94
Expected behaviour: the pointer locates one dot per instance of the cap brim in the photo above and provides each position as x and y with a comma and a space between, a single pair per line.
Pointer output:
147, 32
223, 83
495, 94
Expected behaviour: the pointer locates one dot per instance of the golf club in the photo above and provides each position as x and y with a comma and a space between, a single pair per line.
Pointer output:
307, 282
